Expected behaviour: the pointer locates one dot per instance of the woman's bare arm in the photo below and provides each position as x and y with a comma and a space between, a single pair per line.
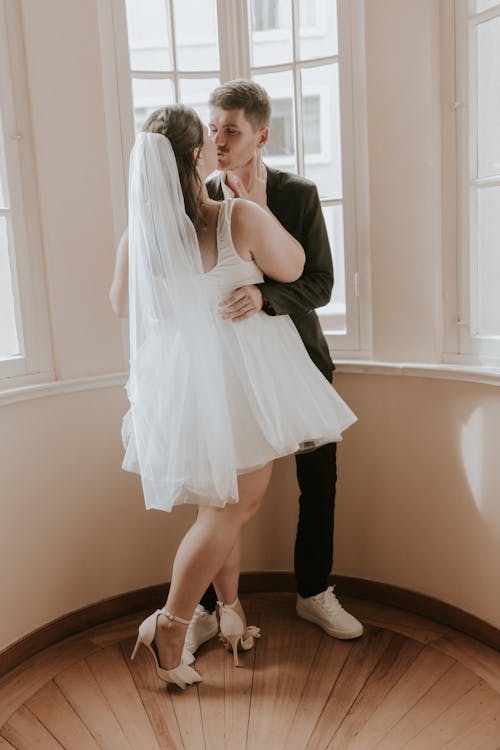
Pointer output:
118, 293
255, 230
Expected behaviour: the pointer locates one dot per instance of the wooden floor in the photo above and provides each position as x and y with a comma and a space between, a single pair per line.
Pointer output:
407, 683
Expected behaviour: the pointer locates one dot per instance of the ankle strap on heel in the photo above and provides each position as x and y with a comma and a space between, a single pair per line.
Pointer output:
170, 616
229, 606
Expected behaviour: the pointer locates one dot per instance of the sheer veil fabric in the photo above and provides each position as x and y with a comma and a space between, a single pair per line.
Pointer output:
177, 432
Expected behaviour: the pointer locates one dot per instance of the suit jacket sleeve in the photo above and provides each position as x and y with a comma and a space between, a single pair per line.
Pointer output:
314, 288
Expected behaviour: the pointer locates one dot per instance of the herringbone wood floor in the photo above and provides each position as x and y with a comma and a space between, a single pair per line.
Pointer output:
408, 683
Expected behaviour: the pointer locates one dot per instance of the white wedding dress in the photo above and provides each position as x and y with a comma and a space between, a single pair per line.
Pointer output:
277, 400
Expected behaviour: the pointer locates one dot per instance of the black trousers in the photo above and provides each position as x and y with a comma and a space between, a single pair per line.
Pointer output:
313, 558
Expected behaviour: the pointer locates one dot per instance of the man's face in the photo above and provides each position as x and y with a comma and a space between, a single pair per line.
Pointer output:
235, 138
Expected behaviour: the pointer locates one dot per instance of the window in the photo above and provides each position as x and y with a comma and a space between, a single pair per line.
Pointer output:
24, 347
174, 54
301, 75
476, 333
179, 50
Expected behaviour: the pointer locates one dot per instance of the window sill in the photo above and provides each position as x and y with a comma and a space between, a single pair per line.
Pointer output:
60, 387
484, 375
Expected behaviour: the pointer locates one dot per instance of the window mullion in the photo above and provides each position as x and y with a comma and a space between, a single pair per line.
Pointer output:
462, 108
473, 171
312, 63
16, 286
486, 182
485, 15
172, 41
298, 109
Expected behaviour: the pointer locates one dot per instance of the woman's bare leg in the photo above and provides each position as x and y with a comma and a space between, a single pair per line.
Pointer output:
201, 555
227, 579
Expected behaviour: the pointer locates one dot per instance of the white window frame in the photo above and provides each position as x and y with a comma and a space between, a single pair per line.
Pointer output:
34, 363
233, 26
461, 343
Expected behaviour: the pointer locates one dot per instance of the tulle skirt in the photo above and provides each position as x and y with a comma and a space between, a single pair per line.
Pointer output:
278, 402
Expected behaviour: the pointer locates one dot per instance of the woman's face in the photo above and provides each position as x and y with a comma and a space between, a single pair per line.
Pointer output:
207, 160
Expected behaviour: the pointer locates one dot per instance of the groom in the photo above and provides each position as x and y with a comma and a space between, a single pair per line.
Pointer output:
240, 113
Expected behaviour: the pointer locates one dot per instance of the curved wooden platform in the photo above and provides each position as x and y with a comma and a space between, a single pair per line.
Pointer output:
408, 683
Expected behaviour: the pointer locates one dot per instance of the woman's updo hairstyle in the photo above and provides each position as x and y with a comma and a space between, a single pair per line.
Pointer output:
184, 129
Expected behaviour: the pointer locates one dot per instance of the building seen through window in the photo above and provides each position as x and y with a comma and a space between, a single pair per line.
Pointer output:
281, 142
265, 14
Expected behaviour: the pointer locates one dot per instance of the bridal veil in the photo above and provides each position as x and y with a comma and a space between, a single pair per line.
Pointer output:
177, 433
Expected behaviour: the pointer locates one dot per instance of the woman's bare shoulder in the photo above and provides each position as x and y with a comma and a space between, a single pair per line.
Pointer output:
244, 216
245, 213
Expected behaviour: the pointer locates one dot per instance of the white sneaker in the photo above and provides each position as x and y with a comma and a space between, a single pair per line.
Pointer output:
325, 610
203, 626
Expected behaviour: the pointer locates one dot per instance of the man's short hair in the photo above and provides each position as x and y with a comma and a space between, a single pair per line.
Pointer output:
246, 95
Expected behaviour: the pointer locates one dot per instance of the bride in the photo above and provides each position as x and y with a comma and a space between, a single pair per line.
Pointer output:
213, 402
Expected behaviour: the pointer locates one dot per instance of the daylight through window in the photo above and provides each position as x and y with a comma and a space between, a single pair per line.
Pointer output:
175, 55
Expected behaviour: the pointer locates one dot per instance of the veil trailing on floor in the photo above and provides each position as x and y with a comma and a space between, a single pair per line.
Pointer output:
177, 433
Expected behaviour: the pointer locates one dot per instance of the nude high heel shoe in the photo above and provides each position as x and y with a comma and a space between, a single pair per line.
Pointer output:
182, 675
232, 629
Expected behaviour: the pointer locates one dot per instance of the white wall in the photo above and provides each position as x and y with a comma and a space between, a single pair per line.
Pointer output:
418, 491
402, 62
65, 82
418, 505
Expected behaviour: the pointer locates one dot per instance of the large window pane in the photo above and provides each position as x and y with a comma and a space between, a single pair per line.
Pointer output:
488, 261
270, 32
317, 28
9, 344
150, 94
147, 22
321, 127
195, 92
488, 98
196, 38
333, 315
280, 151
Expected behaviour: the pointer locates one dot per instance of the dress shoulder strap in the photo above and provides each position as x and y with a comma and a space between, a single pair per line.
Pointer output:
224, 222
